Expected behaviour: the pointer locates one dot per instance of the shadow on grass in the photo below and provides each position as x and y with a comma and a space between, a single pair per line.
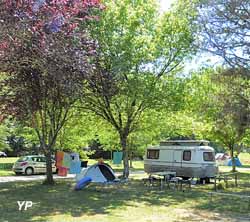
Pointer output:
94, 200
236, 208
62, 199
237, 203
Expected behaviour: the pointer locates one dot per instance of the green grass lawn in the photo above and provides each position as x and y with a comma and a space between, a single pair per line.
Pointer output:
6, 165
8, 159
245, 158
127, 202
121, 203
6, 173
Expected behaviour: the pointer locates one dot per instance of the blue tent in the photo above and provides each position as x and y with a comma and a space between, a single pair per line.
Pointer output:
237, 162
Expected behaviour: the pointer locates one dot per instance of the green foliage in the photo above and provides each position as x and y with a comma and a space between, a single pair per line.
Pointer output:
232, 118
135, 89
79, 131
220, 100
17, 144
17, 139
3, 136
137, 48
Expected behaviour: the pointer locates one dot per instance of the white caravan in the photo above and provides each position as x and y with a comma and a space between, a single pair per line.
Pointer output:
188, 158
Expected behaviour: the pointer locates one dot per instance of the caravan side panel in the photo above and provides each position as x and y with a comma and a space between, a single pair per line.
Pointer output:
185, 162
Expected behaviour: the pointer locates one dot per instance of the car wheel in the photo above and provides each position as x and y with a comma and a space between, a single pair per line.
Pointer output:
29, 171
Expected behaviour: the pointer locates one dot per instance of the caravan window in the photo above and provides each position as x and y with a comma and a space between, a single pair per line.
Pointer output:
153, 154
208, 156
187, 155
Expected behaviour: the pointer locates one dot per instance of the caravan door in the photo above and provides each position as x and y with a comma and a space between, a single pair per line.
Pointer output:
177, 158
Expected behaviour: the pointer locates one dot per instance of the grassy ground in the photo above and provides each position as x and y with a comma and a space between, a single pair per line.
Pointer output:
245, 159
6, 173
8, 159
6, 165
126, 202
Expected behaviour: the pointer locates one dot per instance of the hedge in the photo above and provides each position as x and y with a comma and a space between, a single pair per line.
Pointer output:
6, 166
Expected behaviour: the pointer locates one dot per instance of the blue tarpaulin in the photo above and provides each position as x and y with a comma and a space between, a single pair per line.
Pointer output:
75, 167
117, 157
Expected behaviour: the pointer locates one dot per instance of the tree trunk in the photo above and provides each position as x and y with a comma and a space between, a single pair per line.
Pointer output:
123, 141
233, 159
49, 179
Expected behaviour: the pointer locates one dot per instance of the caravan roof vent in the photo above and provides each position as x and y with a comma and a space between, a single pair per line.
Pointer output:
184, 143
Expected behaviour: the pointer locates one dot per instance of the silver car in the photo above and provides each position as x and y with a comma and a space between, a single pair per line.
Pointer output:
32, 165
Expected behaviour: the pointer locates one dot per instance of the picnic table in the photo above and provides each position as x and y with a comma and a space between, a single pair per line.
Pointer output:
226, 177
163, 176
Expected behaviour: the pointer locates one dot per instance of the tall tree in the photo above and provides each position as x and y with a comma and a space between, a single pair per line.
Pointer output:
220, 98
43, 62
233, 116
137, 46
225, 27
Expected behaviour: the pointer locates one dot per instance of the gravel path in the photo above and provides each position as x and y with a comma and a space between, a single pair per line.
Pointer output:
5, 179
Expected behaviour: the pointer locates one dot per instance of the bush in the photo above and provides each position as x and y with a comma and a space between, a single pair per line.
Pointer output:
6, 166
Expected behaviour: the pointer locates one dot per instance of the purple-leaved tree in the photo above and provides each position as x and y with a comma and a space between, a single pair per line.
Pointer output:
44, 58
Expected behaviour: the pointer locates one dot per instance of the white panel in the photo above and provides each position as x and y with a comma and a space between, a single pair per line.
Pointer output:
166, 155
177, 156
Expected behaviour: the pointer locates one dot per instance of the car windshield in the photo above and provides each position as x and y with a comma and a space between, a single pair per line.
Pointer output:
21, 159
